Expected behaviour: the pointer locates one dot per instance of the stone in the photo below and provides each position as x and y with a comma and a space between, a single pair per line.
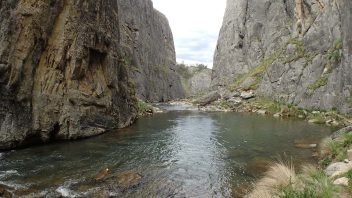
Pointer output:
306, 146
338, 168
343, 181
286, 46
129, 179
262, 112
247, 95
341, 132
101, 175
209, 98
231, 95
277, 115
73, 70
4, 192
235, 101
349, 154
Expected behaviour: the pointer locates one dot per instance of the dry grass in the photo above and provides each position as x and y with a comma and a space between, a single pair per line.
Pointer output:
278, 176
281, 181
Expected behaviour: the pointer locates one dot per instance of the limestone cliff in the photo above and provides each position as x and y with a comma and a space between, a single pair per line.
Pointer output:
66, 66
147, 34
196, 80
297, 51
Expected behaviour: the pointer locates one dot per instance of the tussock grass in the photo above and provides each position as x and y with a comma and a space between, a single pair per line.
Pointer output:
282, 181
277, 177
335, 150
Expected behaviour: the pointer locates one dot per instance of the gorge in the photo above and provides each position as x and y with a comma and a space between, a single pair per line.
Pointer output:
71, 70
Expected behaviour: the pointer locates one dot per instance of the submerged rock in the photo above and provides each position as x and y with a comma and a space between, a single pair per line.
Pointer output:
4, 192
258, 167
101, 175
306, 146
129, 179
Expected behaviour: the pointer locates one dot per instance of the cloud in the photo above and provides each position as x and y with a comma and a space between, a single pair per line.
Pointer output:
195, 25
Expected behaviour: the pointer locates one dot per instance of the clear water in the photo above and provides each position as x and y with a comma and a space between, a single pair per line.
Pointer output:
178, 154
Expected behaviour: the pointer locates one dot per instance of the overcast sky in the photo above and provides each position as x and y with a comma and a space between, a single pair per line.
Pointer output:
195, 25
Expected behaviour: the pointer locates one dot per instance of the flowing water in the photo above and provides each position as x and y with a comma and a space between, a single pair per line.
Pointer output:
180, 153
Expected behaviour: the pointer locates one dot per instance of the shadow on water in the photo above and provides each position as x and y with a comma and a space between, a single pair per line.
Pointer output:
181, 153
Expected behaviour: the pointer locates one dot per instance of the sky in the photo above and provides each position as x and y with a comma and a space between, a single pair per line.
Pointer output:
195, 26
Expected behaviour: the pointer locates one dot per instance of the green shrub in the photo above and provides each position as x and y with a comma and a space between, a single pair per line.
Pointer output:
144, 108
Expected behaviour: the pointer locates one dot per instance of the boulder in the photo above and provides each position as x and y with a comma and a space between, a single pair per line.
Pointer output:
231, 95
338, 168
235, 101
343, 181
247, 95
209, 98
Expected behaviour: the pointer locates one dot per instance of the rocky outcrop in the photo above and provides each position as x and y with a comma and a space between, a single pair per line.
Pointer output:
196, 80
147, 34
297, 52
66, 66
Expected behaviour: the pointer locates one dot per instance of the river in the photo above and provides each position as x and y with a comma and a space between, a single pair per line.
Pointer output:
182, 152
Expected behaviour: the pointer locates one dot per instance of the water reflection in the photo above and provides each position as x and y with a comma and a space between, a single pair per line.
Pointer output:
178, 153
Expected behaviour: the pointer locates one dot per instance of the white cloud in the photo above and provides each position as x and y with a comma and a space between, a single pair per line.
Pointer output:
195, 25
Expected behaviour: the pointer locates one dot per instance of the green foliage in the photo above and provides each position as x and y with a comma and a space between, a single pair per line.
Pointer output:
144, 108
335, 52
349, 176
300, 52
322, 81
338, 148
290, 192
259, 70
312, 183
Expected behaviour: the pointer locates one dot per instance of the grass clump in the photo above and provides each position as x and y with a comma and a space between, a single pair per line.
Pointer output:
335, 150
322, 81
335, 52
282, 181
259, 70
144, 108
300, 52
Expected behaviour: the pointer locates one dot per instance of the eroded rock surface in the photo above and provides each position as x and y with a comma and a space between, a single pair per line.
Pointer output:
68, 69
297, 52
147, 34
196, 80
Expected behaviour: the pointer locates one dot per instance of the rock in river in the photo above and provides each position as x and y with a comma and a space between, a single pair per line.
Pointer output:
129, 179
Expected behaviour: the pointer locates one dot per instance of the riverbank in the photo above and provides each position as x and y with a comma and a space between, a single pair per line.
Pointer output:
247, 101
332, 178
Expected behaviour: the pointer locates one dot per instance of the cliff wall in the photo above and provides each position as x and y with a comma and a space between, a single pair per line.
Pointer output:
71, 69
296, 52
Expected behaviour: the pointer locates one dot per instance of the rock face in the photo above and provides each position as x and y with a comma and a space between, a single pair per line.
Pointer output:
147, 34
65, 67
298, 51
196, 80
